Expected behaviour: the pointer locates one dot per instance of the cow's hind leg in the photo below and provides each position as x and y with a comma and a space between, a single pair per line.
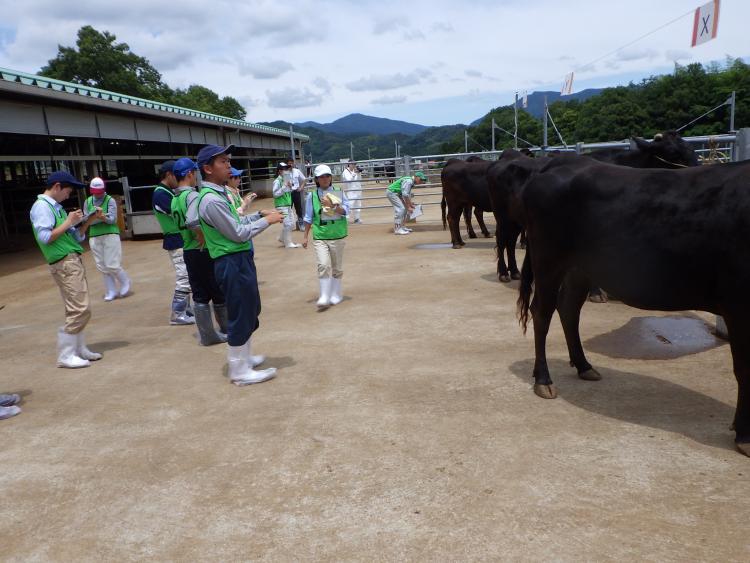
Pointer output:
511, 236
738, 325
542, 309
454, 220
479, 214
571, 298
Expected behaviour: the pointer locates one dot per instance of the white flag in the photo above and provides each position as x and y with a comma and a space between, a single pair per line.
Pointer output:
525, 100
705, 23
567, 88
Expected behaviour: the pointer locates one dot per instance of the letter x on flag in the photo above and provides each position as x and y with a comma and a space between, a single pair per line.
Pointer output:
705, 23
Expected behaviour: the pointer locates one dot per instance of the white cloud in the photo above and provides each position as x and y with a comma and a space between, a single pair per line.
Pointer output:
264, 68
473, 73
387, 100
677, 55
388, 25
293, 98
441, 26
384, 82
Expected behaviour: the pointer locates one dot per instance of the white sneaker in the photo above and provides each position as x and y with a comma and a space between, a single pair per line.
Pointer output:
402, 231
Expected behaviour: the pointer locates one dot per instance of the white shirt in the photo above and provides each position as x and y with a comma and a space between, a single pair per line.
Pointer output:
352, 177
299, 180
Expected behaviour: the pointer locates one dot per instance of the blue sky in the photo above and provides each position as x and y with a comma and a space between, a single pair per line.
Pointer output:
432, 62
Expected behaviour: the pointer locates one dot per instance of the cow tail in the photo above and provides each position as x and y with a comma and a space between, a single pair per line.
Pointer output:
525, 290
443, 205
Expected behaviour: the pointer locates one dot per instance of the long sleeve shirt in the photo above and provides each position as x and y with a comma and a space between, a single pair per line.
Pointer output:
214, 209
321, 194
352, 179
110, 214
43, 220
299, 180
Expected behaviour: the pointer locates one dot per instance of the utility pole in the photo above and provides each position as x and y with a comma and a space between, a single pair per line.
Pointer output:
368, 154
544, 134
291, 139
395, 146
731, 112
493, 134
515, 123
466, 141
351, 150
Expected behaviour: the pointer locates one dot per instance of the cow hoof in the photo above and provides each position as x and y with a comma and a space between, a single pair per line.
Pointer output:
486, 235
515, 276
597, 298
505, 278
590, 375
472, 235
743, 448
549, 392
457, 246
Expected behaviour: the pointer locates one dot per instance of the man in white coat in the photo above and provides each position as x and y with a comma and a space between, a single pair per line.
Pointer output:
353, 187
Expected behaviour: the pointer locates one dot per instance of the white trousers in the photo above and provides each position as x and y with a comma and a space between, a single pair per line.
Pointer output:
330, 256
399, 209
355, 203
288, 223
107, 251
181, 281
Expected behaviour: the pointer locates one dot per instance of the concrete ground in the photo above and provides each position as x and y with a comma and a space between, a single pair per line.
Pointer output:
402, 424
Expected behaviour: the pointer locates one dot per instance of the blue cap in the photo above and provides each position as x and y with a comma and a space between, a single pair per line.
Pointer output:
63, 178
210, 151
166, 166
236, 172
183, 166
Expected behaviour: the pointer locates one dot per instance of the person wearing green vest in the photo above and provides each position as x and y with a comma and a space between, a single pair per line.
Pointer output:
326, 209
162, 205
399, 194
60, 240
104, 239
228, 239
282, 200
200, 266
242, 204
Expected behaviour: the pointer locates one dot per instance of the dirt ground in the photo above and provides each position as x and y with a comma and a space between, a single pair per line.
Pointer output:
402, 424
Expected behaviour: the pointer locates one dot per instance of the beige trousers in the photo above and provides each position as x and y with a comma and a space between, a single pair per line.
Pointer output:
70, 276
330, 255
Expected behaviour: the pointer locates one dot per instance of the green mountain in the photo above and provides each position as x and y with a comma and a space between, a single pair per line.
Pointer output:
359, 123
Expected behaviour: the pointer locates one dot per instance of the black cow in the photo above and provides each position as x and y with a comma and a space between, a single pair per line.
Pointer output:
638, 234
667, 150
465, 186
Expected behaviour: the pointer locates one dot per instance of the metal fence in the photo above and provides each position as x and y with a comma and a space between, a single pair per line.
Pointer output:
378, 173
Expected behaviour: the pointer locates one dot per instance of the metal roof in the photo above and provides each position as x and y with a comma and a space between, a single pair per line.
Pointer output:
134, 102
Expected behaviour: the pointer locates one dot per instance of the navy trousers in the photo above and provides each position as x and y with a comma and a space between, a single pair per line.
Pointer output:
200, 268
239, 282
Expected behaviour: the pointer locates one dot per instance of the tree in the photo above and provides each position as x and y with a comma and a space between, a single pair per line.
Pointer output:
101, 63
203, 99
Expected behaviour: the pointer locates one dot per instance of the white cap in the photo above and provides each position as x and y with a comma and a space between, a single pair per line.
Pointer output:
322, 169
97, 184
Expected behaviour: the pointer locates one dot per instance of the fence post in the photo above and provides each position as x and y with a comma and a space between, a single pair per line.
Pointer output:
579, 147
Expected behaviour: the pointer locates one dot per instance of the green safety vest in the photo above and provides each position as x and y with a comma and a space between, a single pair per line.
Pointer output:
100, 228
395, 187
236, 198
166, 221
327, 230
63, 245
219, 245
179, 214
284, 200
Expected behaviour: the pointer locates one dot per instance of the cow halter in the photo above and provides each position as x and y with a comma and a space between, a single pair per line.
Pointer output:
671, 163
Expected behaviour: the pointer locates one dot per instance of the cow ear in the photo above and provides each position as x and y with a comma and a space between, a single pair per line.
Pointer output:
640, 144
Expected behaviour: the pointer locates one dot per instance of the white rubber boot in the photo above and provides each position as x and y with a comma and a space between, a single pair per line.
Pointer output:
66, 348
253, 361
336, 296
240, 373
122, 277
286, 234
83, 352
110, 287
325, 292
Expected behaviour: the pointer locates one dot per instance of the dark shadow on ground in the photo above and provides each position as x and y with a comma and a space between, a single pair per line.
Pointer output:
474, 244
656, 338
640, 399
492, 278
108, 345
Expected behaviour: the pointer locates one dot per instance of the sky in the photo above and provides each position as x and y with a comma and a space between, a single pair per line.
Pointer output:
429, 62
